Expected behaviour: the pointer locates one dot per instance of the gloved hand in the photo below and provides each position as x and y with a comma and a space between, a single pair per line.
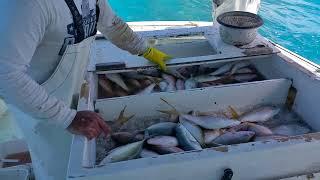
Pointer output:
156, 56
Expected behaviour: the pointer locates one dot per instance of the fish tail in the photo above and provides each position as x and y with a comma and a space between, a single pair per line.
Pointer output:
174, 109
122, 119
234, 113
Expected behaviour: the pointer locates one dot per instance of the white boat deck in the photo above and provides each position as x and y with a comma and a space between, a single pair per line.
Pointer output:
209, 35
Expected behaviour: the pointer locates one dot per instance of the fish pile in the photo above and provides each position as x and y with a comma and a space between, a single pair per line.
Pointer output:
196, 131
190, 77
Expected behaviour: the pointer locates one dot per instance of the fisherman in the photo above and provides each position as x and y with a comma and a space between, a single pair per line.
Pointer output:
45, 47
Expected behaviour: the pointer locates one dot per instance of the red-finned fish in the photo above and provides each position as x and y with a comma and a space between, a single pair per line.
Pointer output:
116, 78
134, 83
259, 129
147, 90
106, 85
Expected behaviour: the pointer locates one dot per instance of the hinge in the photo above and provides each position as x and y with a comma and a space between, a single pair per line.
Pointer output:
291, 97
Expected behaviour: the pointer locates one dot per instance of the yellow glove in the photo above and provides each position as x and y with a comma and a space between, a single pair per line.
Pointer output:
156, 56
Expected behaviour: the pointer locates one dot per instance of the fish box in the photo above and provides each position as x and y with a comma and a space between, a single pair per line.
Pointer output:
276, 83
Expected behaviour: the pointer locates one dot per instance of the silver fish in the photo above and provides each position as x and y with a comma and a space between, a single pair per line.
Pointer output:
166, 150
191, 70
106, 85
118, 91
175, 73
244, 71
244, 77
171, 87
165, 141
165, 128
204, 85
270, 137
239, 66
291, 130
145, 153
206, 78
186, 140
259, 129
234, 137
147, 90
170, 79
210, 135
210, 122
240, 127
223, 69
163, 86
134, 83
260, 114
195, 130
190, 84
123, 153
116, 78
180, 84
145, 82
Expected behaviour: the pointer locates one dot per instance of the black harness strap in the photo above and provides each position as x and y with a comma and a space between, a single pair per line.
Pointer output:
97, 17
77, 21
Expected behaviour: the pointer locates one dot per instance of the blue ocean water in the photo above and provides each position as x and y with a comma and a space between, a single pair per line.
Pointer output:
294, 24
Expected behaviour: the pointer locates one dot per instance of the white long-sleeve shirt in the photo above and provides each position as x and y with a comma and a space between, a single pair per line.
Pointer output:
34, 34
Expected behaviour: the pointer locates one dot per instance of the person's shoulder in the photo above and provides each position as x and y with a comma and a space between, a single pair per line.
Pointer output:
25, 4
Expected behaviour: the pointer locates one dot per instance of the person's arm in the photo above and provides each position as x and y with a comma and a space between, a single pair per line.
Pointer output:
23, 24
120, 34
118, 31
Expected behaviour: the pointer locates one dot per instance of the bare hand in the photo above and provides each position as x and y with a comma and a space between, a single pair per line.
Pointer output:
89, 124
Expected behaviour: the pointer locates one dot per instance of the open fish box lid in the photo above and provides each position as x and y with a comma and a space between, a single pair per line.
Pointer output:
194, 45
